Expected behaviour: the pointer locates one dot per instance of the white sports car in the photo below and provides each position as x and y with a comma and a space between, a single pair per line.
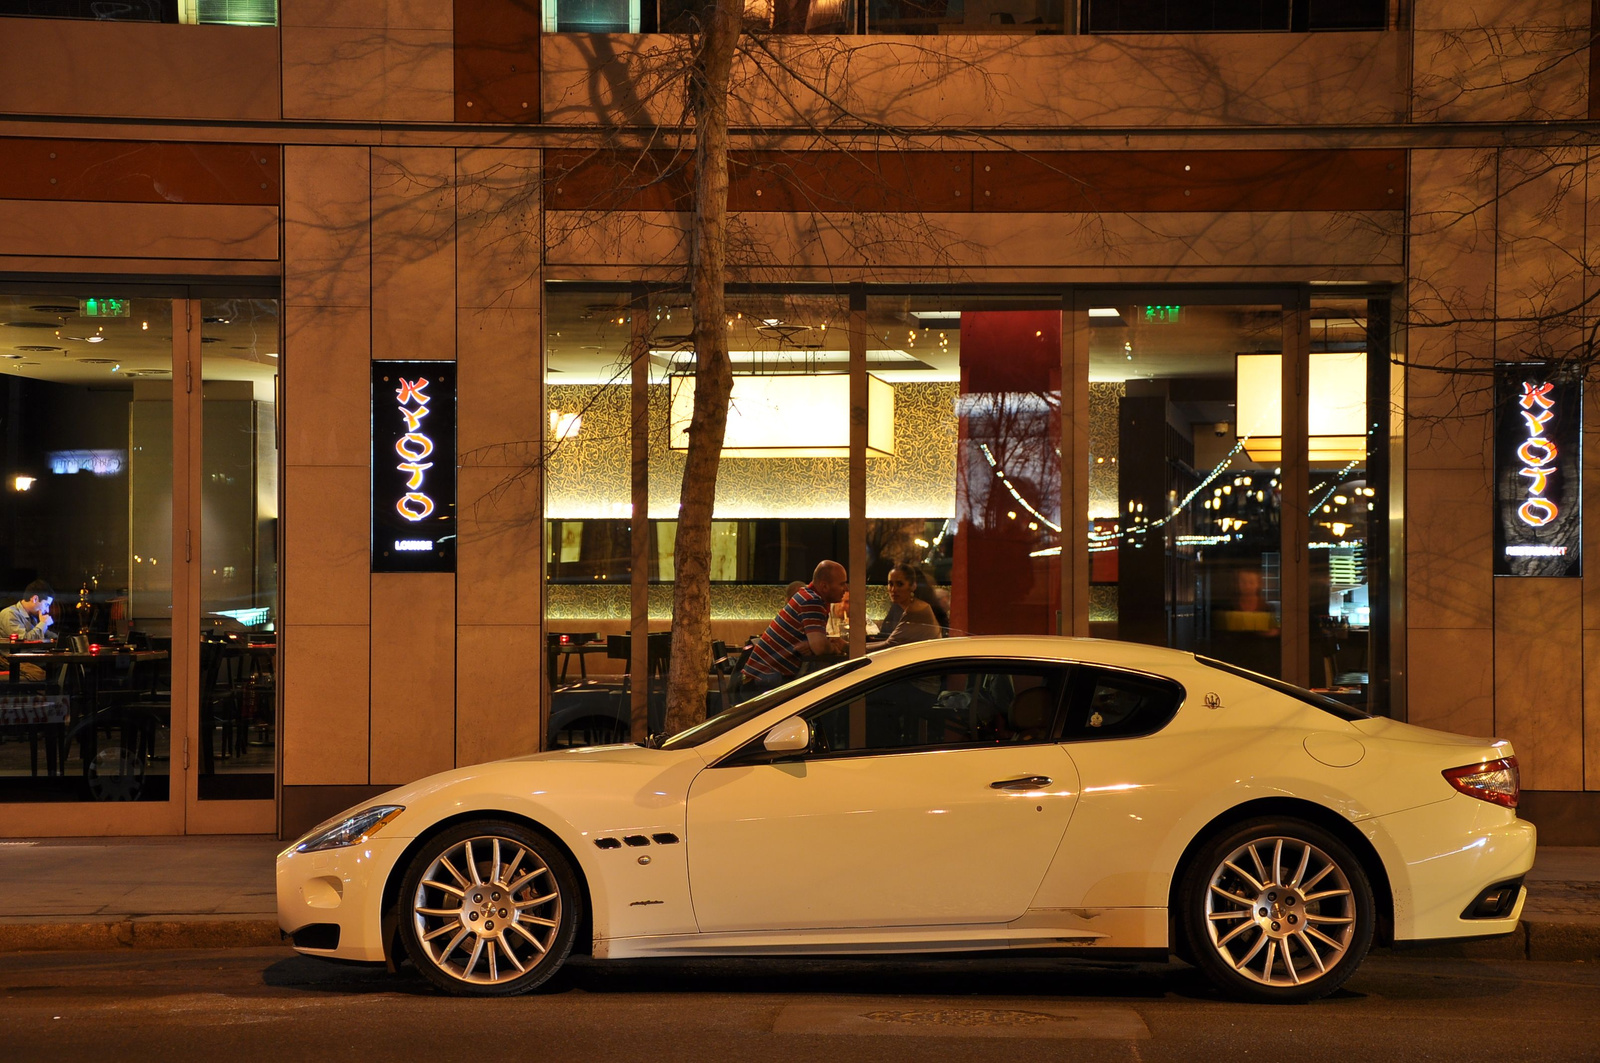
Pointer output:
1005, 793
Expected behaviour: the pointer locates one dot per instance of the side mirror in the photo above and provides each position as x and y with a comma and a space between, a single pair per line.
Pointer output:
791, 736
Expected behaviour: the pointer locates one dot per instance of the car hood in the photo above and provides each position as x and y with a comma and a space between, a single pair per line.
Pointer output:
591, 789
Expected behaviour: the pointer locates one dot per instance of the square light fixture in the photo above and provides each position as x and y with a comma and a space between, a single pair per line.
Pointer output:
784, 416
1337, 419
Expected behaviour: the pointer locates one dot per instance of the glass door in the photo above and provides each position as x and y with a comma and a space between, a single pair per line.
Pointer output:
88, 739
233, 526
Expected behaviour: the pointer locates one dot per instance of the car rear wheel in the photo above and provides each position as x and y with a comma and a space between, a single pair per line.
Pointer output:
489, 908
1277, 910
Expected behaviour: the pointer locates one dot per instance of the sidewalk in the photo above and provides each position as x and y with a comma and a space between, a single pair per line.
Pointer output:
107, 893
218, 892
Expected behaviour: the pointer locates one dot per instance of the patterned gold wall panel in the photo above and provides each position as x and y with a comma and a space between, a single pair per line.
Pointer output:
1104, 440
609, 601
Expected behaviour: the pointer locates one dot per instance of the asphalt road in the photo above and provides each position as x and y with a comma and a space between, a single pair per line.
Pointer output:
246, 1004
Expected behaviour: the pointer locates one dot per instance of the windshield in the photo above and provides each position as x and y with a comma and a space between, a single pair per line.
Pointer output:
1316, 701
723, 722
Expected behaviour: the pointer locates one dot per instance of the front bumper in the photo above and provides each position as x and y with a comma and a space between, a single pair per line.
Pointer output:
1441, 856
340, 888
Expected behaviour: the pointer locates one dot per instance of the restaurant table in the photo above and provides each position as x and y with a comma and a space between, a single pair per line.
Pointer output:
94, 666
569, 650
566, 645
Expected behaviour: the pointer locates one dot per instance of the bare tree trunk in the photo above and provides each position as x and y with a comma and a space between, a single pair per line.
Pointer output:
720, 25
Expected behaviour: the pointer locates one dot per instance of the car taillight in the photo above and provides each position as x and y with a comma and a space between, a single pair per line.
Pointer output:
1496, 781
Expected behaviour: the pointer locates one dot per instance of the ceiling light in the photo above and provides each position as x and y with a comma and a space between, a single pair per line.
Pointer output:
1103, 311
94, 339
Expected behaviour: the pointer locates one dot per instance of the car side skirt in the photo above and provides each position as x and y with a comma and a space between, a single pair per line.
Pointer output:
1085, 929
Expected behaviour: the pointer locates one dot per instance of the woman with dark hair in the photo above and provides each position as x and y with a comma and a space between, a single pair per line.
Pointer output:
917, 620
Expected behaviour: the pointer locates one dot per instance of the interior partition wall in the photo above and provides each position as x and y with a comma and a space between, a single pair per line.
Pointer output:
138, 428
1197, 468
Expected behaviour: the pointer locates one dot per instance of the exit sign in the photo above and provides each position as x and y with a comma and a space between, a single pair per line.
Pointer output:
104, 308
1163, 315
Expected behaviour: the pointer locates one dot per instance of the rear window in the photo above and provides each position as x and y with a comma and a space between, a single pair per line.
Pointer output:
1110, 704
1316, 701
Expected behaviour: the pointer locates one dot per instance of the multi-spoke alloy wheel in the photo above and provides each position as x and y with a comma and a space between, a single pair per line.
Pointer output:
489, 909
1278, 910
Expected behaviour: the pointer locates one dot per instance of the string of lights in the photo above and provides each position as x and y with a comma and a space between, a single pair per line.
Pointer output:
1006, 480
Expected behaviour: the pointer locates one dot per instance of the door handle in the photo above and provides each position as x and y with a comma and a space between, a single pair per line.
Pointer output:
1026, 782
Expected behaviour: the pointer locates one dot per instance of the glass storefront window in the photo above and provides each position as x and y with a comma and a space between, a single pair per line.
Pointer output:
966, 16
588, 510
238, 549
1178, 16
1183, 500
86, 504
782, 500
592, 16
962, 473
187, 12
1348, 440
971, 495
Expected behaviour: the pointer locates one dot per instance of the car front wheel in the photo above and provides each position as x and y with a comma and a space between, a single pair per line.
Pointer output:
1277, 910
489, 908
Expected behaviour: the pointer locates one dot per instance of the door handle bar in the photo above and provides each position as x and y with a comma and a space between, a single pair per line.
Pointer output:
1026, 782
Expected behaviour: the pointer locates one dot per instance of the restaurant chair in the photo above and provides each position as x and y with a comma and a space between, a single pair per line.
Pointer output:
726, 667
220, 701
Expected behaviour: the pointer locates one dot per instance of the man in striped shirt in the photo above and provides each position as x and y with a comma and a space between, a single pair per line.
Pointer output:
798, 631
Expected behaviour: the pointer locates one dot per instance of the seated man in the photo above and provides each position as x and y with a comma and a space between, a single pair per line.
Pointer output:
28, 621
798, 631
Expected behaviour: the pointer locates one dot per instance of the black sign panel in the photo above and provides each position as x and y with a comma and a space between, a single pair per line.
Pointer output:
1538, 471
413, 466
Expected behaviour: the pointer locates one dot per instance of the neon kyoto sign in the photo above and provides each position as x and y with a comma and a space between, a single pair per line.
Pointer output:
413, 466
412, 447
1538, 477
1538, 454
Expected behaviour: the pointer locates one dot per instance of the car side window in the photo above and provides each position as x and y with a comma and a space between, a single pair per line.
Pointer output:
965, 704
1111, 704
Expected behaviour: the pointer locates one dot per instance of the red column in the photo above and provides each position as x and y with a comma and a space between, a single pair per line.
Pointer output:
1008, 474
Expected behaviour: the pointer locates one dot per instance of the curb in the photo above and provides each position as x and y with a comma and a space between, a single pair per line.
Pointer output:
140, 934
1546, 942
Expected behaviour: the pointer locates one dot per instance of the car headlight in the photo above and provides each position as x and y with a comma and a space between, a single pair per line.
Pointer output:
347, 830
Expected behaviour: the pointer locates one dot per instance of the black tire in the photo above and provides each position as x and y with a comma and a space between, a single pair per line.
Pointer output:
1276, 910
488, 928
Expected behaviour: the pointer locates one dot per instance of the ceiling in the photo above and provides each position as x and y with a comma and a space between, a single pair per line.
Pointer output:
52, 338
918, 338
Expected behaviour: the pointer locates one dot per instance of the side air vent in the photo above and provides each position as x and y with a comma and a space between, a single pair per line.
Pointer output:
664, 839
636, 840
607, 843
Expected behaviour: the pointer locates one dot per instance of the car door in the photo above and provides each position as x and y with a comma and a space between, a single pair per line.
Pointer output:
933, 796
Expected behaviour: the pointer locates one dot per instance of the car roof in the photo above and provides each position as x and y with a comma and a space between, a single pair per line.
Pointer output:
1059, 647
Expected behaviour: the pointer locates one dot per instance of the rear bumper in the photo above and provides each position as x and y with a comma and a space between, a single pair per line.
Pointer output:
340, 888
1441, 857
